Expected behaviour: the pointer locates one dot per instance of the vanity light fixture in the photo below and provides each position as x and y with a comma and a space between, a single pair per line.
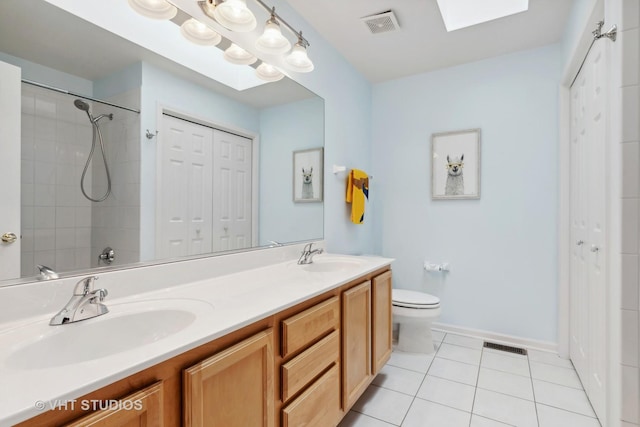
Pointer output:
237, 55
198, 33
268, 73
272, 41
234, 15
155, 9
298, 60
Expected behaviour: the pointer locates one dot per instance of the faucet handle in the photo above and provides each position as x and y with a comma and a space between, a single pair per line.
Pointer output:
100, 294
84, 286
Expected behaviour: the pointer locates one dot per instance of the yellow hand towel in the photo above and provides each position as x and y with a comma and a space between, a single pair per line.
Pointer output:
357, 193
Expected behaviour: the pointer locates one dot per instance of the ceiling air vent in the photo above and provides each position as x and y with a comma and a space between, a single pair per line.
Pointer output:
381, 22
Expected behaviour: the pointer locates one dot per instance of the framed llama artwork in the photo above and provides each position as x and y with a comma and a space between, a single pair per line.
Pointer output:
455, 165
308, 175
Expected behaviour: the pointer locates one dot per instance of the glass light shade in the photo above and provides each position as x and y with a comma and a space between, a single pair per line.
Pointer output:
198, 33
155, 9
235, 16
298, 60
237, 55
272, 41
268, 73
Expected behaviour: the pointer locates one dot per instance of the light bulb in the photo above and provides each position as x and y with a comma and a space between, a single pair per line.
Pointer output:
198, 33
298, 60
272, 41
235, 16
237, 55
155, 9
269, 73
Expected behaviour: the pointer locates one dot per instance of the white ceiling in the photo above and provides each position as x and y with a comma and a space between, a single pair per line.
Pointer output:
422, 43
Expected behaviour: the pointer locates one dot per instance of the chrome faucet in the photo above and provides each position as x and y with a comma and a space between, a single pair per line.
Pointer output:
46, 273
307, 254
84, 304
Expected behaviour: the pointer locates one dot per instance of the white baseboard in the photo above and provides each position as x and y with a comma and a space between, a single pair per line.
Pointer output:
498, 338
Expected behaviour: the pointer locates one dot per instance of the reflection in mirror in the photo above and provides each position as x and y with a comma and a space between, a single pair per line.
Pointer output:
186, 166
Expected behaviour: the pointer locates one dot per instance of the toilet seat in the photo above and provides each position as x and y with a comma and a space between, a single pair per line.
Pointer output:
412, 299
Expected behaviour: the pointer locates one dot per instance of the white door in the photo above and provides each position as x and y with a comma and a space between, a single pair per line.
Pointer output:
185, 189
232, 163
10, 101
588, 346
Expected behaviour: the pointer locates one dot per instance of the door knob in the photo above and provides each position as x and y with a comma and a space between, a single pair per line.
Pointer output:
9, 237
579, 242
594, 248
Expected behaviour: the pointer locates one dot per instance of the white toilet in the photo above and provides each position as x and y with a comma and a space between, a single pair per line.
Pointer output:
413, 312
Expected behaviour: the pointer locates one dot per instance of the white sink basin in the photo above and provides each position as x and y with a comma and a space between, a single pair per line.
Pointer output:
332, 264
125, 327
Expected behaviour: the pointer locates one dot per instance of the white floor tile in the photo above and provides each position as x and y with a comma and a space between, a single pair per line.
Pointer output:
412, 361
383, 404
437, 336
504, 353
354, 419
424, 413
399, 379
459, 354
464, 341
478, 421
555, 374
449, 393
562, 397
554, 417
504, 363
506, 383
507, 409
454, 371
548, 358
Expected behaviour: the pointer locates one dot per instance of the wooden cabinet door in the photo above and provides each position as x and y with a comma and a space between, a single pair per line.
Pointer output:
143, 409
356, 342
233, 388
381, 320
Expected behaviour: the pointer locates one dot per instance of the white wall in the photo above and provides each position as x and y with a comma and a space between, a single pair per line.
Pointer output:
284, 129
502, 248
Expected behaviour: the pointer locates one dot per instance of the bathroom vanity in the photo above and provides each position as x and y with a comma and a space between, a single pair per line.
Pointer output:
287, 345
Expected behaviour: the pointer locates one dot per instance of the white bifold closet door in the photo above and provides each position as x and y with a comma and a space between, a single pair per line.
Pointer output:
204, 193
588, 293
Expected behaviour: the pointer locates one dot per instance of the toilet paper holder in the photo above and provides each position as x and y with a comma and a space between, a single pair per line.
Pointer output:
430, 266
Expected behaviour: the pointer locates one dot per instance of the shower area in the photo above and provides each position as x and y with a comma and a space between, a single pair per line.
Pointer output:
80, 183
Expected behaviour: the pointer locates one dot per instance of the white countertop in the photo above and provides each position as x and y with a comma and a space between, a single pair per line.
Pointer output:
224, 304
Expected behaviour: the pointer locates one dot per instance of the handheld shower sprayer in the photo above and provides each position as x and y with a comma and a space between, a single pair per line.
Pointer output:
82, 105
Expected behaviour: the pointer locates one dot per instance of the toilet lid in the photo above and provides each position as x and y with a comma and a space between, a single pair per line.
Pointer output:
413, 299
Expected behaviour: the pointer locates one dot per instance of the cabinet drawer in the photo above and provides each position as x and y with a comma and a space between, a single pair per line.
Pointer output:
319, 405
301, 329
303, 368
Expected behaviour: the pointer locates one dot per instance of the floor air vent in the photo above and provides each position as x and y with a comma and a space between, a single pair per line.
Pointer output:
506, 348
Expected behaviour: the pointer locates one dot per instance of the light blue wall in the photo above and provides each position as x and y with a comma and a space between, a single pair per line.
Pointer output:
119, 82
284, 129
162, 89
347, 96
49, 76
502, 248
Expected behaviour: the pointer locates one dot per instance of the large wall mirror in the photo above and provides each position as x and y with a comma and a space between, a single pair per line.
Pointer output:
195, 167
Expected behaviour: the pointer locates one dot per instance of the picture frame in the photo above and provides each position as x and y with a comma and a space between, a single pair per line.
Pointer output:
308, 175
455, 165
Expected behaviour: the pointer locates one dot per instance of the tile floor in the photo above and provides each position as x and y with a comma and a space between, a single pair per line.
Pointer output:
463, 384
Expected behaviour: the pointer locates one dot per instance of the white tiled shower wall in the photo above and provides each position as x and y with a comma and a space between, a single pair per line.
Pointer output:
630, 304
56, 140
115, 222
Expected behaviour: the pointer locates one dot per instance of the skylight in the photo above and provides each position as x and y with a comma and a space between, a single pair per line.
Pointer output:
465, 13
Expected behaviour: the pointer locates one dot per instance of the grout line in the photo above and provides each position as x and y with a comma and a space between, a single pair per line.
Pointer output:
475, 390
533, 390
369, 416
567, 410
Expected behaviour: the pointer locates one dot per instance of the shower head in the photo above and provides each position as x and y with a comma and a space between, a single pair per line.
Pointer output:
81, 105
